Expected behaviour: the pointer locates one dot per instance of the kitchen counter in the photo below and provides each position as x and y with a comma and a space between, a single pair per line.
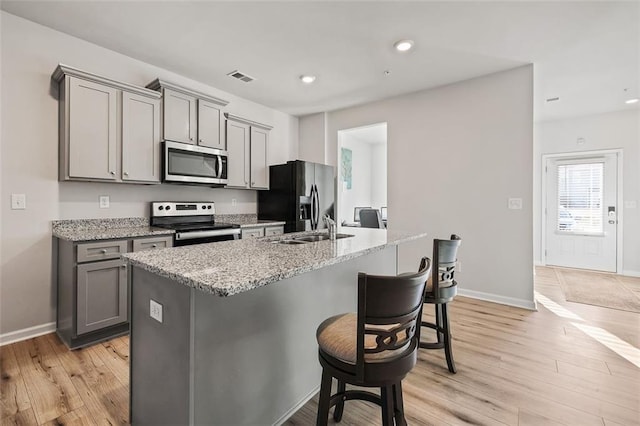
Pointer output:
247, 220
77, 230
231, 267
251, 358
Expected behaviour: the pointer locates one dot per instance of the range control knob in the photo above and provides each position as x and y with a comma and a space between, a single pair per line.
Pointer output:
168, 208
209, 207
161, 208
204, 207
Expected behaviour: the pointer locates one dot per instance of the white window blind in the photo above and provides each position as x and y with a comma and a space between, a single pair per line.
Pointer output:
580, 195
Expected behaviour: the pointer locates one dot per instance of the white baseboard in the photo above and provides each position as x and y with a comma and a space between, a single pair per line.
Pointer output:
27, 333
629, 273
538, 263
298, 406
503, 300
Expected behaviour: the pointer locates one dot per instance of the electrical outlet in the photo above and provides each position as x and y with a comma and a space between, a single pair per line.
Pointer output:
234, 202
18, 201
515, 204
104, 201
155, 310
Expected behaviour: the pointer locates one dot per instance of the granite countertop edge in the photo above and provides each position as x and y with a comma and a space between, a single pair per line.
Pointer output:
262, 223
110, 234
254, 284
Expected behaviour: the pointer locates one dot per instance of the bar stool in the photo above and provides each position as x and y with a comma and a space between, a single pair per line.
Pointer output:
441, 289
375, 347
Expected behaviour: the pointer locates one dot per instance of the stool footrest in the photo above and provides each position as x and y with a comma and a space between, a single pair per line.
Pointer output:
355, 394
430, 345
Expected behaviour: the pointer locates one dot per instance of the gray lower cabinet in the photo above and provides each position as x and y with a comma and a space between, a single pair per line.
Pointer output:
262, 231
102, 295
93, 288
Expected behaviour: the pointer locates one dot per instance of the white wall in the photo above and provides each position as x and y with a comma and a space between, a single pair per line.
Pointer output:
455, 154
379, 175
620, 129
311, 144
30, 53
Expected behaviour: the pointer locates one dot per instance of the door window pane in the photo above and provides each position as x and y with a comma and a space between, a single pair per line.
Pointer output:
580, 197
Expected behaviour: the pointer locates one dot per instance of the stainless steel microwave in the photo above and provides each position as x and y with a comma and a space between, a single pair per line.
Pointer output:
193, 164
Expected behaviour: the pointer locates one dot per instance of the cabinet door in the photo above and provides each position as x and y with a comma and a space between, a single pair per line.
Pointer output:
152, 243
140, 138
102, 295
273, 230
259, 167
209, 115
179, 117
92, 130
238, 150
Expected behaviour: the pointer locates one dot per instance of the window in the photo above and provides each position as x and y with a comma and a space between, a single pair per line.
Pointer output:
580, 195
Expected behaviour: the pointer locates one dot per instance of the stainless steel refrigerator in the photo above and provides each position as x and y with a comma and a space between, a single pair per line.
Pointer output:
300, 193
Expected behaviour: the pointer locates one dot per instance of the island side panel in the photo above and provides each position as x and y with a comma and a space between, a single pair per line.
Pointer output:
160, 352
255, 353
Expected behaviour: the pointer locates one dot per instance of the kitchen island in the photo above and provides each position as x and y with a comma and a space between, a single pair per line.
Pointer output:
234, 339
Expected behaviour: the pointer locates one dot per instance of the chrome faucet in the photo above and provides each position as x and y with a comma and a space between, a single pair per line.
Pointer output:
331, 224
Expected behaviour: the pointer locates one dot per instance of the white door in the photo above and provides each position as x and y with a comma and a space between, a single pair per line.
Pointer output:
581, 212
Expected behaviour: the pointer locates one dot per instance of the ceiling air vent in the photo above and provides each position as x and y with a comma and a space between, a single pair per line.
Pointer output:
241, 76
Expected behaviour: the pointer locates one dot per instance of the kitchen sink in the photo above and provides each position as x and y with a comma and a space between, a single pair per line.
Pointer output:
319, 237
304, 239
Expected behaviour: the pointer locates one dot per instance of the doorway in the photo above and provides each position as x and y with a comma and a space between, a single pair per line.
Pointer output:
580, 211
362, 172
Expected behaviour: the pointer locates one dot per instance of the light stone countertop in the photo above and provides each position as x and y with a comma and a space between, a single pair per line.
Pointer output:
231, 267
78, 230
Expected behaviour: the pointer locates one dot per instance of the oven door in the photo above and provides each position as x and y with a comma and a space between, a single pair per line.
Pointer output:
185, 163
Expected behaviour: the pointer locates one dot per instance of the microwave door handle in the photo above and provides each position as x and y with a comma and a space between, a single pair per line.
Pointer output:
313, 212
219, 167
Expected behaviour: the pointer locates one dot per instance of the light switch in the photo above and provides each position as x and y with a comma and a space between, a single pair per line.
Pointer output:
155, 310
18, 201
515, 203
104, 201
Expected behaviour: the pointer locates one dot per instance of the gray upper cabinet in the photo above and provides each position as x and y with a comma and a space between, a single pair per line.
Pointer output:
109, 130
209, 125
179, 117
247, 145
190, 116
91, 128
140, 138
238, 136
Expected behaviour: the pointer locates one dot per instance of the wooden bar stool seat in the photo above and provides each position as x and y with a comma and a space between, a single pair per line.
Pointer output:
375, 347
441, 289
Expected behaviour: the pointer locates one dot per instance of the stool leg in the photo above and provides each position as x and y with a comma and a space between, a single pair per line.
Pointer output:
447, 340
337, 412
398, 405
439, 322
325, 398
386, 394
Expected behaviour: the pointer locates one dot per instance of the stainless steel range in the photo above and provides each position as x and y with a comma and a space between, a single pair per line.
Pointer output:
194, 222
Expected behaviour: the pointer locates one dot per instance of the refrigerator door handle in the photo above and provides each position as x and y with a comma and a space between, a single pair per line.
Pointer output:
317, 206
313, 208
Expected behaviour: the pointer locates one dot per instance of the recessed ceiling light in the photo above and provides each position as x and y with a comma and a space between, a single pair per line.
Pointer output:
403, 45
632, 101
308, 79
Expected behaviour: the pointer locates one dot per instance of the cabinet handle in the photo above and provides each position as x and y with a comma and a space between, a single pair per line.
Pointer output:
112, 173
103, 251
126, 174
190, 139
154, 245
124, 265
253, 183
201, 140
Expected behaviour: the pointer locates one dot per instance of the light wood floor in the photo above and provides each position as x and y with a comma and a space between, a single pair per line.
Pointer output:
515, 367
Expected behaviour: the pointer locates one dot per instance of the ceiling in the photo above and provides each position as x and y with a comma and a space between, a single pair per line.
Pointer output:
585, 53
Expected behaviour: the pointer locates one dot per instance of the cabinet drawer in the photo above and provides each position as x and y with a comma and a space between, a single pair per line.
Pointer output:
88, 252
253, 233
152, 243
273, 230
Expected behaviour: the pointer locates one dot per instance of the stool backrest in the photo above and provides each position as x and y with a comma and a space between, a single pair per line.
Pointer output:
445, 255
389, 309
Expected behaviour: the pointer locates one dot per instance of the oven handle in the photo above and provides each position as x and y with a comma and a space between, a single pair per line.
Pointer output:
204, 234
